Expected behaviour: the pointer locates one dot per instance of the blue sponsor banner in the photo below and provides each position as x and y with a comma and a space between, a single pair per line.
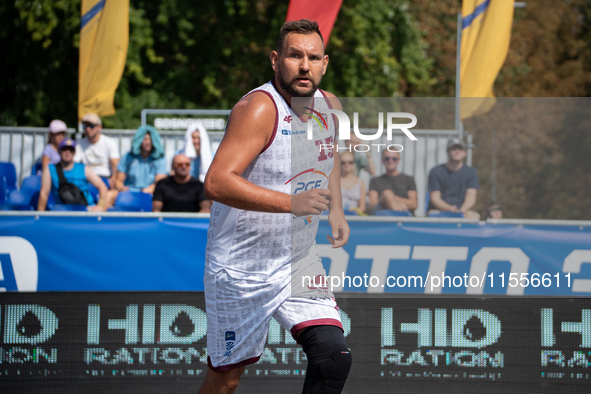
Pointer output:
454, 258
111, 253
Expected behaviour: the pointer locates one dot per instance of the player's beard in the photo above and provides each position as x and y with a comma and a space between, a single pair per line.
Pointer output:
288, 86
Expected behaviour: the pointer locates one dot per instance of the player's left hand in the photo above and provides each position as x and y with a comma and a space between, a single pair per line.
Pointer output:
340, 230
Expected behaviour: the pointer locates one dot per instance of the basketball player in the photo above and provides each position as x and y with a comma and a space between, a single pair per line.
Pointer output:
260, 206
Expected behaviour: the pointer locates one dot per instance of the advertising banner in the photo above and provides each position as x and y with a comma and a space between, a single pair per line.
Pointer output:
111, 253
152, 342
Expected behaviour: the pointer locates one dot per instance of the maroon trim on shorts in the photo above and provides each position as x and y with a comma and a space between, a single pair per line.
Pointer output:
276, 119
315, 322
228, 367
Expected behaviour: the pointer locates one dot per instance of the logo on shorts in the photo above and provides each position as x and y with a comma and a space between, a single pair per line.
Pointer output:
230, 336
230, 342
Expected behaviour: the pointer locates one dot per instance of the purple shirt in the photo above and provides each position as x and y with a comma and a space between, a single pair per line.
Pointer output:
50, 152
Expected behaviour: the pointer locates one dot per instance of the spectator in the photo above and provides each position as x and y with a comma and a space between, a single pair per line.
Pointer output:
393, 190
363, 160
180, 192
75, 173
352, 188
198, 149
57, 133
144, 165
494, 211
453, 186
96, 151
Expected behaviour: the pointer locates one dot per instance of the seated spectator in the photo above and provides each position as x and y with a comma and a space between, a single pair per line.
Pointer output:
363, 160
494, 211
453, 186
393, 190
198, 149
144, 165
96, 151
180, 192
352, 188
75, 173
57, 133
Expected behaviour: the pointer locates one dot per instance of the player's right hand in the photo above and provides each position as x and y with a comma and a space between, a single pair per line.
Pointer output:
310, 202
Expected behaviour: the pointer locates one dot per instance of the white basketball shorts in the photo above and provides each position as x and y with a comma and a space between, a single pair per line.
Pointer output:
239, 310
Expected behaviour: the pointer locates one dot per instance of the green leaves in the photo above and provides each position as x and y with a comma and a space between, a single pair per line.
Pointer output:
199, 54
39, 70
376, 50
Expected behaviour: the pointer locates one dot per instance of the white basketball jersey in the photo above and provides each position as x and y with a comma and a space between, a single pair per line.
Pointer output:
258, 245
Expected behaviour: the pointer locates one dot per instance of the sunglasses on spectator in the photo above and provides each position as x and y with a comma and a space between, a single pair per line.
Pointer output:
347, 162
68, 148
183, 164
88, 125
394, 159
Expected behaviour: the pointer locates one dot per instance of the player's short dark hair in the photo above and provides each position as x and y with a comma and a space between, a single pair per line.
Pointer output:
303, 26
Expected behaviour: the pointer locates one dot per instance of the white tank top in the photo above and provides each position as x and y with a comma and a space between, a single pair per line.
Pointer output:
258, 245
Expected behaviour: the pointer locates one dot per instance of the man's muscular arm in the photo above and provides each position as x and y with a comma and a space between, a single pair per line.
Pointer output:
336, 216
249, 130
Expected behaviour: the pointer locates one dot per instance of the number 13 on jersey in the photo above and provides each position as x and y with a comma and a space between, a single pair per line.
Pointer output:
325, 148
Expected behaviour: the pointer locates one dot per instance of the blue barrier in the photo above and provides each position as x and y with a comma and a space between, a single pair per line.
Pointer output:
136, 252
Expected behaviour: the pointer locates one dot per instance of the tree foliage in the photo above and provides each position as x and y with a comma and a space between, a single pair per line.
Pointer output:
39, 73
380, 39
199, 54
543, 170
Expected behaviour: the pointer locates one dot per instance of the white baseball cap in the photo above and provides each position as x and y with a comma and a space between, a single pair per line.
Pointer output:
57, 126
92, 118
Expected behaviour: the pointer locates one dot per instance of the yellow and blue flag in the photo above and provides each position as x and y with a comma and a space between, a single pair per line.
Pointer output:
486, 33
104, 36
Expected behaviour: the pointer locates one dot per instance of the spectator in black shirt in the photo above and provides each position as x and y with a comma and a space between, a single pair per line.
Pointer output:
180, 192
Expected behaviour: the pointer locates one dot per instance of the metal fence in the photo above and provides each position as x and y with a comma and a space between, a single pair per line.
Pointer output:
23, 147
172, 140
